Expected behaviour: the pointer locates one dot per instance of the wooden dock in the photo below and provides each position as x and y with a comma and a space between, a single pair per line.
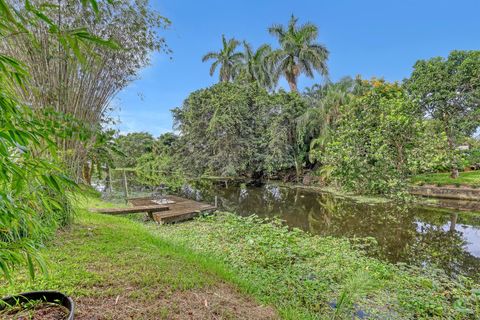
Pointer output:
150, 208
180, 209
170, 210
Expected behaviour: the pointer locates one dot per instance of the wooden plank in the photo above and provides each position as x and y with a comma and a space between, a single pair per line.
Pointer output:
147, 201
180, 209
176, 218
181, 214
138, 209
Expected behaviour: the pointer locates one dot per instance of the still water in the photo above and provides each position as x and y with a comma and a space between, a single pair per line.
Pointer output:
414, 235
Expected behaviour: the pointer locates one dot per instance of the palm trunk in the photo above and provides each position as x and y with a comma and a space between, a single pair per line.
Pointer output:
292, 82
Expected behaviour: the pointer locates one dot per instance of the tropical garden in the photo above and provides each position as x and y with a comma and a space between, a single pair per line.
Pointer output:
62, 63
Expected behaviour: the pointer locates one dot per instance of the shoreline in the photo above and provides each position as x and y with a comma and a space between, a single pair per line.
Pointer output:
449, 205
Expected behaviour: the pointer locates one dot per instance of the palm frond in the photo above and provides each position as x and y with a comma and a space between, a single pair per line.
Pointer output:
277, 31
308, 32
299, 53
213, 67
210, 55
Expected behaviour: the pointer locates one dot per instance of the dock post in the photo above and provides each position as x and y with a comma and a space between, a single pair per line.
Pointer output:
125, 185
110, 182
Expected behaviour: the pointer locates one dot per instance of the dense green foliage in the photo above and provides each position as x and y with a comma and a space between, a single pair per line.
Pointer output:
159, 167
374, 140
234, 129
449, 90
286, 145
222, 129
33, 187
363, 136
132, 146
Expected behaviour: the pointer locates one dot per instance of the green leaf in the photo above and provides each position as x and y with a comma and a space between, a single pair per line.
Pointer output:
31, 267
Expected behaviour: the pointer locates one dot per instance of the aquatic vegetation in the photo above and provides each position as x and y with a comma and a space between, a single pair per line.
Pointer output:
313, 277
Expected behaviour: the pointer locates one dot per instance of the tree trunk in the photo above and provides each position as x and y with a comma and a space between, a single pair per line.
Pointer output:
292, 82
451, 144
454, 174
108, 181
453, 221
87, 177
297, 170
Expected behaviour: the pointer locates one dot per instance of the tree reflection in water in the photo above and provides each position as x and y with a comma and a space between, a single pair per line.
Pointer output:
413, 235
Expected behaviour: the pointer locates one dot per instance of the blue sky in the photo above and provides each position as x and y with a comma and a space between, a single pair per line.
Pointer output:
369, 38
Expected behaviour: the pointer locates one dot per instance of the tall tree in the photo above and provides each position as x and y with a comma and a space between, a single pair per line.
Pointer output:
227, 58
317, 125
256, 65
33, 188
449, 90
298, 53
375, 133
222, 129
85, 87
285, 149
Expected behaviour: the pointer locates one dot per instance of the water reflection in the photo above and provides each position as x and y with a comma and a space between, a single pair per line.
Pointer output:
421, 236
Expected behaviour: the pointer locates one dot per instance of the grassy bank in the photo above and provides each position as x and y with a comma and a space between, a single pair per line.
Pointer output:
116, 268
470, 178
227, 267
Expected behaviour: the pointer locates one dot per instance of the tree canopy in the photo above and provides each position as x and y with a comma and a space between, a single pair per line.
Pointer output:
78, 76
298, 52
375, 134
222, 128
449, 90
227, 58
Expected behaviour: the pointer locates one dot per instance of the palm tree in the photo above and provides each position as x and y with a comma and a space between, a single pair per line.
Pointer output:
256, 66
228, 59
298, 52
320, 120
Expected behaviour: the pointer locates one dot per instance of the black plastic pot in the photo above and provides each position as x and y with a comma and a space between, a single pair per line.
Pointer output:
46, 296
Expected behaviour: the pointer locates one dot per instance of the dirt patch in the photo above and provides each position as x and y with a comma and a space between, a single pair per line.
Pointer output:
42, 311
219, 302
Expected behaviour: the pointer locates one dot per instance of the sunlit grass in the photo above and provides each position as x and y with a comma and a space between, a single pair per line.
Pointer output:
470, 178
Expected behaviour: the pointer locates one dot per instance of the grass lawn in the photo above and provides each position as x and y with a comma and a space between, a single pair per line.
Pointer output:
470, 178
227, 267
115, 268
